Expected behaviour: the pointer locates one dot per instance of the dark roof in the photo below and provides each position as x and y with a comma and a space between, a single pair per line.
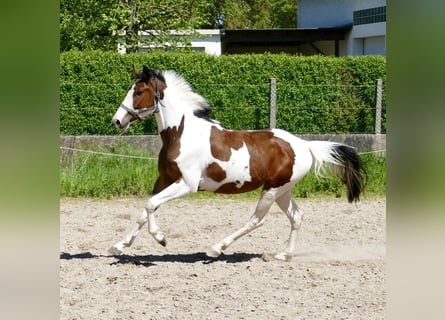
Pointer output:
280, 37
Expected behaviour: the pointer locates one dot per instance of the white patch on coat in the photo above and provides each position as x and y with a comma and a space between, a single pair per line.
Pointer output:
237, 170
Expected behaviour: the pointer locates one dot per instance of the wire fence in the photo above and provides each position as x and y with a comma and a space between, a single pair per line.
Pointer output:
152, 158
107, 153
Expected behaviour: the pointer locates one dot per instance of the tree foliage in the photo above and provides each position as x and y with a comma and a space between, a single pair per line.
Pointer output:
89, 24
253, 14
98, 25
92, 25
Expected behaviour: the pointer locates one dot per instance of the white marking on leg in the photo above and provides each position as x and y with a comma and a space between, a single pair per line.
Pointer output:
255, 221
153, 229
129, 239
173, 191
295, 216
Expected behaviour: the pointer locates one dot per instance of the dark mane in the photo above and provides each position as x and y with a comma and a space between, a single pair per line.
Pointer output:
200, 106
204, 113
157, 74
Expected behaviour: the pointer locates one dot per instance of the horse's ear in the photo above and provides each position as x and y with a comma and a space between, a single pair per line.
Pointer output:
146, 74
136, 72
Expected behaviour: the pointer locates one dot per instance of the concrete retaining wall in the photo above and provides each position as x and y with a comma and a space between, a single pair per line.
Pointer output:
363, 142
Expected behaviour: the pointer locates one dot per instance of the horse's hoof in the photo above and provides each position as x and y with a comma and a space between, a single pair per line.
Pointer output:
266, 257
213, 253
115, 251
283, 256
163, 242
161, 238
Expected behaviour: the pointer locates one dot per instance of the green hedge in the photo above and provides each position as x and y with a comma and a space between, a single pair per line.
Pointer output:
314, 94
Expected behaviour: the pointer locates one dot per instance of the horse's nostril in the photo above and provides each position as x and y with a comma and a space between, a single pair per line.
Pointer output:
116, 122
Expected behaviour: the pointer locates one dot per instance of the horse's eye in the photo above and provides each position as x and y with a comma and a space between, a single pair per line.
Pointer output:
138, 92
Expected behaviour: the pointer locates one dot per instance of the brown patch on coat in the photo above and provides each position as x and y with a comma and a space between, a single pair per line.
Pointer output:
271, 158
168, 168
215, 172
221, 143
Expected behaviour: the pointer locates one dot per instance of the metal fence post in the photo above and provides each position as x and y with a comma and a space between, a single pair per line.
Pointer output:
273, 103
378, 107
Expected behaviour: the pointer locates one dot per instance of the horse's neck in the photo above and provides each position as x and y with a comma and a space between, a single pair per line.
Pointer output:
173, 111
167, 119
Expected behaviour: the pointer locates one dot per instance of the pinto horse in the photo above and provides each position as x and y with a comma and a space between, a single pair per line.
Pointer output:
198, 154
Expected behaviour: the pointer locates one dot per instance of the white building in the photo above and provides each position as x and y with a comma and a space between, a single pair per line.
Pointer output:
209, 42
367, 19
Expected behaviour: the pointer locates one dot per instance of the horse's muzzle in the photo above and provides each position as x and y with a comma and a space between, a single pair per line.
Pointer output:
119, 125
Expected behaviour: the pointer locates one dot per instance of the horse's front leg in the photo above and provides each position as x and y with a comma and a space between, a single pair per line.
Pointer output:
173, 191
129, 239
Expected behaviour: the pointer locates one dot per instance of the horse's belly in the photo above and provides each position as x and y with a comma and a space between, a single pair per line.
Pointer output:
226, 187
230, 175
207, 184
224, 177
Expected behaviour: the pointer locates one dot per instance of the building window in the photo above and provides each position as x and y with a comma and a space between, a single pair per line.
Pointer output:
372, 15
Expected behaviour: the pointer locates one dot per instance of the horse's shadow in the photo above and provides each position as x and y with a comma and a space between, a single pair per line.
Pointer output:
150, 260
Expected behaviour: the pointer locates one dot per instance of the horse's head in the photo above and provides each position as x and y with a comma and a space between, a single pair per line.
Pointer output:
142, 98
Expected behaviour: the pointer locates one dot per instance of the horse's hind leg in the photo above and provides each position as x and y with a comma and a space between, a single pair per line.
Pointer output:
295, 216
255, 221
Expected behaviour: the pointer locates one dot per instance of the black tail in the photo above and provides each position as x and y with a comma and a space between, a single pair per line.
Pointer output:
351, 171
345, 163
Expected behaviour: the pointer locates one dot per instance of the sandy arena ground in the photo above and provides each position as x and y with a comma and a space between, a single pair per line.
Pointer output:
339, 272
